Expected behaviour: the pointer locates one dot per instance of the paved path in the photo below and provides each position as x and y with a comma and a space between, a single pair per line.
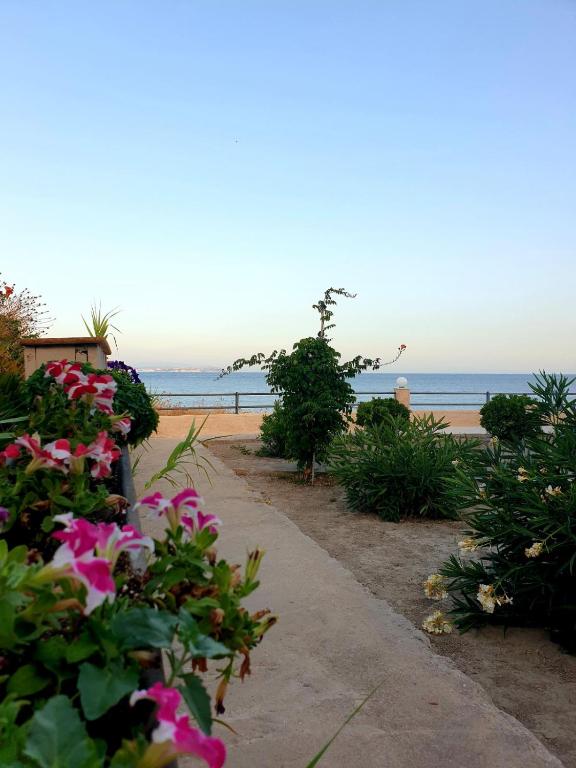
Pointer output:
333, 644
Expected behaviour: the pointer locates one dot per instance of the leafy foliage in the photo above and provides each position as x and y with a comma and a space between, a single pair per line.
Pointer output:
133, 399
520, 508
100, 323
176, 471
401, 468
379, 410
511, 417
273, 432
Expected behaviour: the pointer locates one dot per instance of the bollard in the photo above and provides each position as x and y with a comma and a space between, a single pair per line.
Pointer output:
401, 391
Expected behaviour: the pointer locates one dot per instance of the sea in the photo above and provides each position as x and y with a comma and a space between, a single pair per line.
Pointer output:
454, 391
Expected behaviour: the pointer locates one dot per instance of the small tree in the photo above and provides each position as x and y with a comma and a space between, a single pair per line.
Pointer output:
21, 316
316, 394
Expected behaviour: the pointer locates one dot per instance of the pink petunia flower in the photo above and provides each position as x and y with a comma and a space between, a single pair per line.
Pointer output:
175, 730
182, 509
112, 540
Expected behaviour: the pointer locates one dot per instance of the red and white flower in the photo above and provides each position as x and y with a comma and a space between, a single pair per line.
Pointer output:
103, 451
96, 389
48, 457
64, 372
122, 425
174, 731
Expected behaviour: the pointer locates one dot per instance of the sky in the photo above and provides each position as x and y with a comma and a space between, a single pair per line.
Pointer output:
212, 166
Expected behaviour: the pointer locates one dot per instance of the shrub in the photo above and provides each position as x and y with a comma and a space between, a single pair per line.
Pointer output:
273, 431
520, 508
401, 468
378, 410
134, 399
21, 315
511, 417
315, 386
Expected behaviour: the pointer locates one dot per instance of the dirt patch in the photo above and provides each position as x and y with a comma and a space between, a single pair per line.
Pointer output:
525, 673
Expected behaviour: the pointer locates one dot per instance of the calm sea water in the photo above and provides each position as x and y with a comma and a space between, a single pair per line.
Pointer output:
207, 389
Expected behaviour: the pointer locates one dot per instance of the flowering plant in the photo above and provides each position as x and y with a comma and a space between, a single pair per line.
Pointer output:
87, 602
517, 561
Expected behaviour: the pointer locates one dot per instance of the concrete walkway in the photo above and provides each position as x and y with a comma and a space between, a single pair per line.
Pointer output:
333, 644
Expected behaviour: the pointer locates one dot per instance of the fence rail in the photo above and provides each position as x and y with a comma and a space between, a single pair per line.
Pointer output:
237, 406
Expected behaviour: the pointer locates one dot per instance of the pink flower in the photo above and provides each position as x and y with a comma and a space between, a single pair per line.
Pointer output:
103, 451
123, 425
112, 540
79, 536
11, 452
184, 508
198, 521
96, 575
88, 554
176, 730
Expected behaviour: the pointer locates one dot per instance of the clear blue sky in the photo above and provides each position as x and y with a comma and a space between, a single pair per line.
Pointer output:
212, 166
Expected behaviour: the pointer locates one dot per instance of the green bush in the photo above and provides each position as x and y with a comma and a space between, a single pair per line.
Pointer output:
401, 468
134, 399
380, 409
511, 417
521, 510
273, 431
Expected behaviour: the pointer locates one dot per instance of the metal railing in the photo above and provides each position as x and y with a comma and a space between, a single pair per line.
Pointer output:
235, 404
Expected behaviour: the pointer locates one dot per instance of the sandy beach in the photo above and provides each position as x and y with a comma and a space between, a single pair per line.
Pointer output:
231, 424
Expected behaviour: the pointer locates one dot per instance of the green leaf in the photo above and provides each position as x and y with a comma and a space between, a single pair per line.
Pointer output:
27, 680
52, 653
144, 628
198, 702
197, 644
58, 739
81, 649
100, 688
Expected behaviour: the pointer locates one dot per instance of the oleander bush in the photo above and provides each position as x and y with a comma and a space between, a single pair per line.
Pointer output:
511, 418
87, 602
379, 410
401, 468
518, 560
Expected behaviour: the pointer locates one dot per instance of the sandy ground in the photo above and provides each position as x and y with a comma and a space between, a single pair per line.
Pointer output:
249, 423
524, 672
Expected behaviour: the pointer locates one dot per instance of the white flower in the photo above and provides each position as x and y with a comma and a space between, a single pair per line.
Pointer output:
437, 624
485, 597
488, 598
435, 587
522, 475
468, 545
556, 491
535, 550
